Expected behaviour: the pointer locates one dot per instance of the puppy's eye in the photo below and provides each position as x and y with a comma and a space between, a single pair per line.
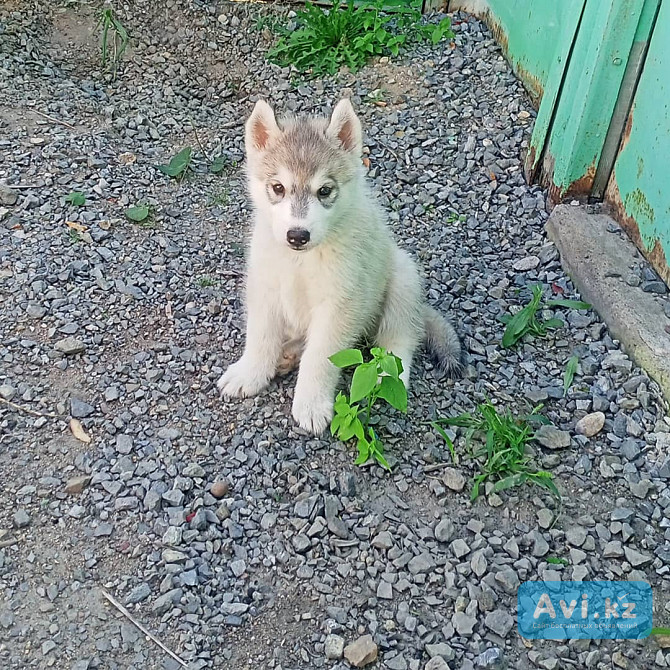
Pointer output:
324, 191
278, 189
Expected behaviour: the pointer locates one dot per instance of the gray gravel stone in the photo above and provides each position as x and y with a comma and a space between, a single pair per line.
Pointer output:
500, 622
552, 438
70, 346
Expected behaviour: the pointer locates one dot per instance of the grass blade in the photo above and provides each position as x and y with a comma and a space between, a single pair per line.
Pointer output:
448, 441
569, 373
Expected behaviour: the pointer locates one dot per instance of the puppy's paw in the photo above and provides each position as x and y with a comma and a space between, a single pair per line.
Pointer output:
313, 413
242, 379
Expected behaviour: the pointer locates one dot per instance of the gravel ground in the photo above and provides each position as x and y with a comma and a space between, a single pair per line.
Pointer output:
237, 539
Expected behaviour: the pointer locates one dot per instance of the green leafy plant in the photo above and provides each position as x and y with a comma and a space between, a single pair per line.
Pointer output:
501, 447
114, 39
569, 373
74, 236
222, 198
528, 322
372, 380
206, 282
138, 213
325, 40
76, 198
178, 164
222, 164
454, 216
554, 560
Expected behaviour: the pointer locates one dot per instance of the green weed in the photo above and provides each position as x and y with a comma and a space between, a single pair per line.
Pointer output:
502, 456
178, 165
221, 199
138, 213
569, 373
378, 378
553, 560
76, 198
376, 97
455, 216
73, 236
114, 40
206, 282
325, 40
528, 322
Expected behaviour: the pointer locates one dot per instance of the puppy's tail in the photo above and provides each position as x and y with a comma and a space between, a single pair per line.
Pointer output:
442, 343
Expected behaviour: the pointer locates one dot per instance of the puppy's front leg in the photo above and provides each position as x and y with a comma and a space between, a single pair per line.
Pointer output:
317, 376
263, 347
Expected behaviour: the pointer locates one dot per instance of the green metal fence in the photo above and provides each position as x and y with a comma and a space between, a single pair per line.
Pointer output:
597, 70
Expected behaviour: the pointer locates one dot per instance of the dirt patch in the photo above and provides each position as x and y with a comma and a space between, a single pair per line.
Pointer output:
74, 37
397, 81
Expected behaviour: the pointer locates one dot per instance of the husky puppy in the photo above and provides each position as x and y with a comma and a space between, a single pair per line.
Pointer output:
323, 270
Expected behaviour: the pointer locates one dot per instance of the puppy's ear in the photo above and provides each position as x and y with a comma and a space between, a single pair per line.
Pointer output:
261, 128
345, 128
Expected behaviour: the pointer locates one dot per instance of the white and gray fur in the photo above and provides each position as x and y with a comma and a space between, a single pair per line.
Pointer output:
323, 270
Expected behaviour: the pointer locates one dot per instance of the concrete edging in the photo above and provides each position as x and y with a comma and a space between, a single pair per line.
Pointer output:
598, 262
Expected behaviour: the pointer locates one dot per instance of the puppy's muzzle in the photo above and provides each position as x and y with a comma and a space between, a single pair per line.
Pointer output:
297, 238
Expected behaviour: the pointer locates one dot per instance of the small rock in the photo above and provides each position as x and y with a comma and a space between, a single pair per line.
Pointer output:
591, 424
460, 548
194, 470
440, 650
635, 558
478, 563
445, 530
238, 567
576, 536
491, 659
613, 549
421, 563
552, 438
172, 536
500, 622
8, 196
383, 540
76, 485
508, 579
163, 603
139, 594
124, 444
334, 647
545, 517
7, 392
220, 489
175, 497
436, 663
70, 346
463, 623
362, 652
630, 449
385, 590
527, 263
21, 519
540, 545
654, 287
453, 479
80, 409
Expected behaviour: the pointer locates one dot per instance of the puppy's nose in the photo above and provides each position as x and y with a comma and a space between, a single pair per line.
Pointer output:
297, 237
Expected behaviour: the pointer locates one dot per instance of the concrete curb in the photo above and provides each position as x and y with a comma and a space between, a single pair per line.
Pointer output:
598, 262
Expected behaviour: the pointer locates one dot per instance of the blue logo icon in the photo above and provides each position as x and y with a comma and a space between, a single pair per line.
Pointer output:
584, 610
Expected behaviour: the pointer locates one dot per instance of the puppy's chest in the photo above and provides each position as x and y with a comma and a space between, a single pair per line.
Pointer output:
304, 286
